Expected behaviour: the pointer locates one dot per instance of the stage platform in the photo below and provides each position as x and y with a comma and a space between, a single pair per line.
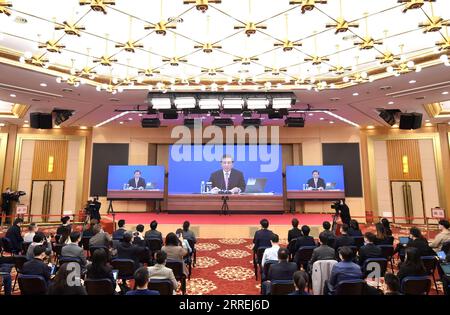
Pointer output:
221, 226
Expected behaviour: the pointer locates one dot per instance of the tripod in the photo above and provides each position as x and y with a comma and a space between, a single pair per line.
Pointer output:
111, 210
225, 210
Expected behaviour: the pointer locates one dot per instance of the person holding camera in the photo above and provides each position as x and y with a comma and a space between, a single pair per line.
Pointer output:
6, 206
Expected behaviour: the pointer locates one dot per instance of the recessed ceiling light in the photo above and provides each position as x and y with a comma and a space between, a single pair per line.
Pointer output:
310, 114
355, 94
12, 95
412, 81
331, 122
2, 125
391, 102
26, 125
43, 84
395, 126
321, 118
370, 127
445, 93
57, 126
121, 122
25, 121
130, 118
428, 124
140, 115
83, 127
427, 120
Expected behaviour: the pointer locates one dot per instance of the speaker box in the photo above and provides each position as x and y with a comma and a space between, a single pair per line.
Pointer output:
150, 123
410, 121
41, 120
295, 122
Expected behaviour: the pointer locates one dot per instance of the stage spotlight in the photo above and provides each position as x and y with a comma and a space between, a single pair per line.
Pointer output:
61, 115
223, 122
388, 115
295, 122
150, 123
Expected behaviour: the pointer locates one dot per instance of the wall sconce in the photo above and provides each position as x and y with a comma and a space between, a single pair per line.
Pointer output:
405, 165
51, 159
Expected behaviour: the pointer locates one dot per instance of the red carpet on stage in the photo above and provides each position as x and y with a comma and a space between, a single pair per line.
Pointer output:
237, 219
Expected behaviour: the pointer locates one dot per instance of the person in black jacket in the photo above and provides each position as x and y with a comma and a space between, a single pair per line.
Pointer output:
369, 250
100, 268
64, 230
412, 266
37, 266
118, 234
295, 231
353, 229
263, 236
67, 281
153, 232
305, 239
420, 242
391, 284
344, 239
126, 250
283, 270
15, 236
383, 236
327, 233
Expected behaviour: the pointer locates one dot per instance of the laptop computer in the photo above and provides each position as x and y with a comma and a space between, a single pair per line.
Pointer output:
255, 185
446, 269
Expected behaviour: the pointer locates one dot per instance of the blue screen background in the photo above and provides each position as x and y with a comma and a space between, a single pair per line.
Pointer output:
121, 174
186, 176
296, 176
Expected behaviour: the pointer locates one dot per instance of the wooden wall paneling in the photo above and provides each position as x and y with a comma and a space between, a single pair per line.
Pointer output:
396, 149
44, 149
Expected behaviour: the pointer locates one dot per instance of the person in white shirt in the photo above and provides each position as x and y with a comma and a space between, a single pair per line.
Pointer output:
271, 253
32, 229
442, 237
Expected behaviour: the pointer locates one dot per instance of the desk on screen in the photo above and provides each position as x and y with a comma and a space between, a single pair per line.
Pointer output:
264, 202
117, 194
331, 194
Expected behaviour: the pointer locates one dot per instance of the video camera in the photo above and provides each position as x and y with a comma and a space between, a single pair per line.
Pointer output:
16, 195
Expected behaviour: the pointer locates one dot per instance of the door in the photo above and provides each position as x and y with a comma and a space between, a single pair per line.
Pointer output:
47, 200
407, 201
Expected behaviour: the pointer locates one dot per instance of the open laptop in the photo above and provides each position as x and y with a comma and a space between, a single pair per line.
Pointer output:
403, 240
446, 269
256, 185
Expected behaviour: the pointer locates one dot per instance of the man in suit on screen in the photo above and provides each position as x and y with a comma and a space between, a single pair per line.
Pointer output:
228, 178
316, 182
137, 182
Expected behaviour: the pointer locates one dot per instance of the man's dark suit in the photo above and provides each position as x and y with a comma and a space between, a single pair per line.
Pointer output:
262, 239
153, 234
141, 183
294, 233
282, 271
37, 267
320, 183
119, 233
369, 251
14, 235
304, 241
236, 179
129, 251
344, 240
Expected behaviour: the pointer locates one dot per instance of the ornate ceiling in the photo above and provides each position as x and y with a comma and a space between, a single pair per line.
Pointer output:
222, 45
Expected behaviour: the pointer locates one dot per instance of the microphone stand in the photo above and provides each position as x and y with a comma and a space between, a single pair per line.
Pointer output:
225, 209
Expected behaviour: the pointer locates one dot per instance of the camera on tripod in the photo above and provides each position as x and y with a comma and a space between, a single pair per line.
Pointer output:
16, 195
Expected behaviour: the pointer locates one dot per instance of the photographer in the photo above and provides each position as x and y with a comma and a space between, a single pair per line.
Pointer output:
93, 209
342, 212
7, 197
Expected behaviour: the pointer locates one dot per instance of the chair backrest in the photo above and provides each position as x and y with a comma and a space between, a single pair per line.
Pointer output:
32, 285
177, 268
154, 244
259, 254
266, 268
282, 287
446, 247
85, 242
419, 285
67, 259
19, 261
124, 266
99, 286
164, 286
350, 287
430, 263
382, 262
304, 253
387, 251
359, 241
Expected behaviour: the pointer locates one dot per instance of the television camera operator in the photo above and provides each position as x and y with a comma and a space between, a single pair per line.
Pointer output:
342, 211
8, 196
93, 209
